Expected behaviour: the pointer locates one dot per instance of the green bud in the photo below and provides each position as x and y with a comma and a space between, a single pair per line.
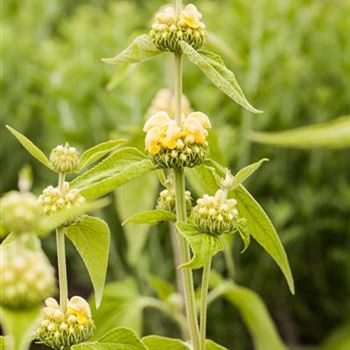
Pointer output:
188, 156
26, 277
53, 200
20, 212
216, 214
64, 159
60, 329
166, 201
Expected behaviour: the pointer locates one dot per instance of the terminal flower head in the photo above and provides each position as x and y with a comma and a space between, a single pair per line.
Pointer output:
191, 16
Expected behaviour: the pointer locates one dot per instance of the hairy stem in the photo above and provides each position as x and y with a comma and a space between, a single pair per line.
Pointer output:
61, 258
179, 185
204, 303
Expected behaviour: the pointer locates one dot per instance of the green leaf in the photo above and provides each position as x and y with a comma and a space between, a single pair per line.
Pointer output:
245, 172
162, 287
140, 50
30, 147
210, 345
203, 179
151, 217
219, 75
49, 223
91, 238
203, 245
18, 326
115, 339
338, 339
120, 307
155, 342
261, 228
119, 168
135, 196
333, 134
2, 342
255, 315
242, 230
97, 152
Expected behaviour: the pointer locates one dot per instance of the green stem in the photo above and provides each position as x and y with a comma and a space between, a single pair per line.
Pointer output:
178, 6
204, 303
61, 258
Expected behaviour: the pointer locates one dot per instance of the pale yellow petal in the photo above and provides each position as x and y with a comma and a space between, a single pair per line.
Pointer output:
159, 119
202, 118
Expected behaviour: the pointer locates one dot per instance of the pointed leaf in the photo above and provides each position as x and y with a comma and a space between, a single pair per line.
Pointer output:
151, 217
30, 147
49, 223
155, 342
91, 238
241, 228
18, 326
210, 345
261, 228
219, 75
141, 49
204, 179
245, 172
203, 245
115, 339
333, 134
95, 153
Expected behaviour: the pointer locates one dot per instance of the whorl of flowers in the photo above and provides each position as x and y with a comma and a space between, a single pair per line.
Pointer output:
53, 200
20, 212
64, 159
176, 146
216, 214
168, 29
60, 329
164, 101
166, 201
26, 277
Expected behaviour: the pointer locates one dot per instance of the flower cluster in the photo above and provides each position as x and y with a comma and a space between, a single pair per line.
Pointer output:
61, 329
26, 277
216, 214
168, 29
174, 146
166, 201
165, 101
53, 200
64, 159
20, 212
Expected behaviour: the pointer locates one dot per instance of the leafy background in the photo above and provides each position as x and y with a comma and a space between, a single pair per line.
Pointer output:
292, 59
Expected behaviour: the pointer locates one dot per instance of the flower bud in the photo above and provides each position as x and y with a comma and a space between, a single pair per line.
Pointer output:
166, 201
60, 329
26, 277
168, 30
216, 214
20, 212
53, 200
64, 159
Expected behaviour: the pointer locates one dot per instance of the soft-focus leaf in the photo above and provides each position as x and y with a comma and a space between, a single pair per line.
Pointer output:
51, 222
162, 287
204, 179
242, 230
338, 339
151, 217
203, 245
141, 49
332, 134
155, 342
2, 342
261, 228
95, 153
30, 147
210, 345
254, 314
136, 196
115, 339
219, 75
91, 238
245, 172
114, 171
120, 307
19, 326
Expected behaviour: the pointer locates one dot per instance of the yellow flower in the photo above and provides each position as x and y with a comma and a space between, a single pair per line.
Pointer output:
160, 119
78, 307
153, 138
191, 16
202, 118
192, 126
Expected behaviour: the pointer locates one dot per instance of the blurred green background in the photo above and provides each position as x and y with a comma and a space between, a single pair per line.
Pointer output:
293, 60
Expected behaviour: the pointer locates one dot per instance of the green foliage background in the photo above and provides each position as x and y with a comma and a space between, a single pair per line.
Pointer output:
291, 58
